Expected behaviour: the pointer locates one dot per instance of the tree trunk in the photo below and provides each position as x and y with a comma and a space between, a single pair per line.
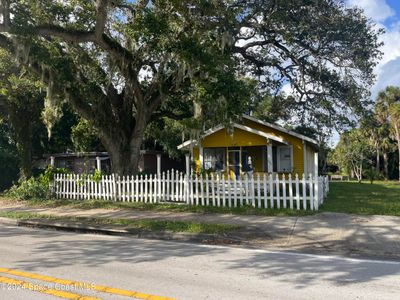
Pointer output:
398, 148
378, 161
123, 145
385, 165
25, 153
21, 120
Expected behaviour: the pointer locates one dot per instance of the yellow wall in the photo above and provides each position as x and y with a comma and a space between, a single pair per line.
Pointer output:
297, 143
246, 139
256, 157
240, 137
196, 159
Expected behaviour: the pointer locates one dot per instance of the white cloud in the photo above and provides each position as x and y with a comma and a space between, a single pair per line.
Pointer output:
377, 10
389, 75
391, 47
287, 89
387, 68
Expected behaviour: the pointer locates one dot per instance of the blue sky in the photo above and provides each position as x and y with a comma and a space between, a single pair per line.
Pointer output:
386, 13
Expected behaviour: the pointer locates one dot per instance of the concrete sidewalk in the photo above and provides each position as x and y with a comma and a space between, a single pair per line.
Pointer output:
324, 233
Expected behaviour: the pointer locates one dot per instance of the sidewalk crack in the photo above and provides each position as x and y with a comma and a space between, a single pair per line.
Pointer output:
291, 232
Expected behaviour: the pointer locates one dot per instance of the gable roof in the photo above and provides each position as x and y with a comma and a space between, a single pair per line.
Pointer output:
235, 125
282, 129
254, 131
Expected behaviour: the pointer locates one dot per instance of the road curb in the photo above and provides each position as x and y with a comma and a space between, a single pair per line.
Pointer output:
132, 232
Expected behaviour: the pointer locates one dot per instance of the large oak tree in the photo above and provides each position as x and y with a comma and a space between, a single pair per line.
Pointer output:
120, 63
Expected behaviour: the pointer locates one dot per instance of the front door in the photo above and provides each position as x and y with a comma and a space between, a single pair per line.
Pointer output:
234, 161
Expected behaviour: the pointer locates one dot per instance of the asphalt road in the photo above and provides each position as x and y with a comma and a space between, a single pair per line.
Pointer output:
124, 265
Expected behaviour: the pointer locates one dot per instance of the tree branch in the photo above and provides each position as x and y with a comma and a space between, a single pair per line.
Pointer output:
101, 17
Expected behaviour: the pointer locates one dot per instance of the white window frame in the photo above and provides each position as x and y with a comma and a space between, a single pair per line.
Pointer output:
213, 149
278, 160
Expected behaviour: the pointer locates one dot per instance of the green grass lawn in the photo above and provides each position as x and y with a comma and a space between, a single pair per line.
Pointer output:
152, 225
105, 204
379, 198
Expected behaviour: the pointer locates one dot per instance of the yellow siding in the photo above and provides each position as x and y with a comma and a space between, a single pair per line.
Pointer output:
196, 159
241, 138
297, 143
256, 157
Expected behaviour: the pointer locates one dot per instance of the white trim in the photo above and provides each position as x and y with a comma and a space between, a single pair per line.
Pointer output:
213, 130
305, 163
278, 158
242, 127
270, 165
277, 127
291, 158
316, 164
201, 157
263, 159
187, 162
186, 144
260, 133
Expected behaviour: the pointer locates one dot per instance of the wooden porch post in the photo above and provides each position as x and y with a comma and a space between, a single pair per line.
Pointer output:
316, 164
305, 163
52, 161
98, 163
159, 164
201, 158
270, 160
187, 157
316, 181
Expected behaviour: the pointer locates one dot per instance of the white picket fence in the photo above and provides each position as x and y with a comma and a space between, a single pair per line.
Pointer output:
262, 191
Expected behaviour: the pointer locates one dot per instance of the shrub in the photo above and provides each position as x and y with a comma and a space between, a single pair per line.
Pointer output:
29, 189
372, 174
8, 169
35, 187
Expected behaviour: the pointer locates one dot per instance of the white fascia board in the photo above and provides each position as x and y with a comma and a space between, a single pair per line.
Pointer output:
260, 133
277, 127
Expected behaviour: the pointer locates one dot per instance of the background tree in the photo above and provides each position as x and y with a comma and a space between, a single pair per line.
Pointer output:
352, 153
388, 105
22, 101
8, 157
117, 62
84, 138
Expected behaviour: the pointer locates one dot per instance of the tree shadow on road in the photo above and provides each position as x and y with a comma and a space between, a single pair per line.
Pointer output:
46, 249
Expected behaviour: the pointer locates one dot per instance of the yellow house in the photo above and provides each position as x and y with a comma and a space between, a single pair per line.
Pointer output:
253, 146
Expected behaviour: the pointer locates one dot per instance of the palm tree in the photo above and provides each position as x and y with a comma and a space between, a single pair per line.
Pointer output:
370, 126
388, 110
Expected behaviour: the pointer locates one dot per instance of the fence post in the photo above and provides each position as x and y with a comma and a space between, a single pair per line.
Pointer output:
212, 189
284, 190
316, 184
258, 191
304, 192
235, 191
168, 186
114, 187
290, 191
265, 191
177, 185
207, 193
278, 194
271, 190
311, 185
246, 200
229, 194
297, 192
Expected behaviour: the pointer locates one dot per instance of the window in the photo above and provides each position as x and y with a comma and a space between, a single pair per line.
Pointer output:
214, 159
284, 154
